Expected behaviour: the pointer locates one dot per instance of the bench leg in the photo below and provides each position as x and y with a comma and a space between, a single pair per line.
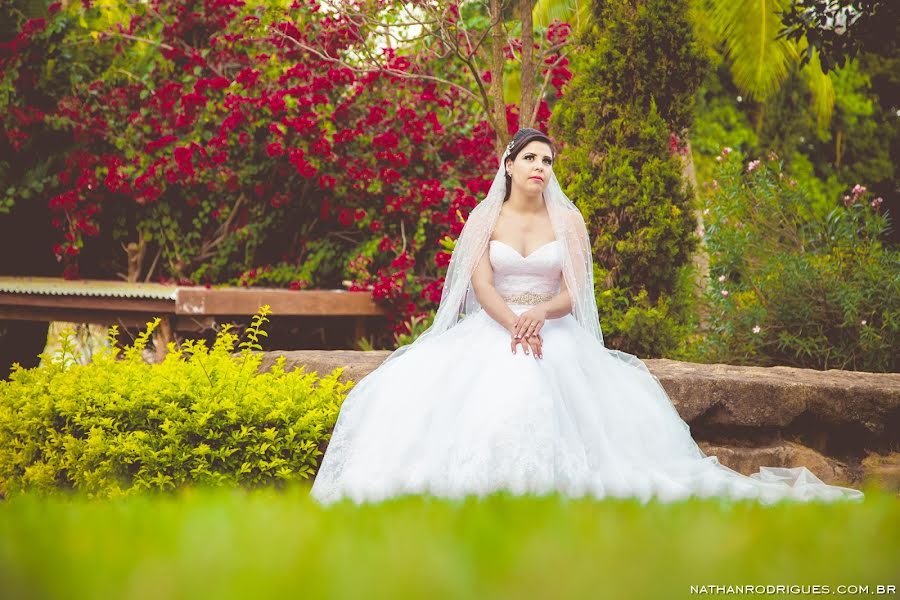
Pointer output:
162, 336
359, 328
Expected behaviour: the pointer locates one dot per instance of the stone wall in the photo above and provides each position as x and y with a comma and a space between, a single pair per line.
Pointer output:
843, 425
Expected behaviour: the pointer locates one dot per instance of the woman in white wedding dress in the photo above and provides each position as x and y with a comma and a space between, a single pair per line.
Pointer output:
512, 388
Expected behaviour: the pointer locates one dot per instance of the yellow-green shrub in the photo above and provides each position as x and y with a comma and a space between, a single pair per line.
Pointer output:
201, 417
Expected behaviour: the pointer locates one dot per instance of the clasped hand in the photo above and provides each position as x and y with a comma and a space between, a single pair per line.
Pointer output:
527, 329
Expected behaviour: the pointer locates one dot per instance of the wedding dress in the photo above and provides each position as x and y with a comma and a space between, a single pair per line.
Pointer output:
456, 413
461, 414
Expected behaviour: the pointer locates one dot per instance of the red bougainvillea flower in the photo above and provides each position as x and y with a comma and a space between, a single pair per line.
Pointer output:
239, 148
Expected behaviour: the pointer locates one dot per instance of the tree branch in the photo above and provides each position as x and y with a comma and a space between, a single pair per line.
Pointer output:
543, 90
528, 67
378, 68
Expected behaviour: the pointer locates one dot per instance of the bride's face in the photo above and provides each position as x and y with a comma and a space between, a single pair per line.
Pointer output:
532, 167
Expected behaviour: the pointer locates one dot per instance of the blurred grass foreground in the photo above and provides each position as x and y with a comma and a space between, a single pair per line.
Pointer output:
236, 543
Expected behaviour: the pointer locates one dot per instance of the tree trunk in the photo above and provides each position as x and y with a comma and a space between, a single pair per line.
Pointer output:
498, 42
526, 106
701, 255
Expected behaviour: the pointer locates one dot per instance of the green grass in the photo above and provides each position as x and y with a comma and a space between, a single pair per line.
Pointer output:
280, 544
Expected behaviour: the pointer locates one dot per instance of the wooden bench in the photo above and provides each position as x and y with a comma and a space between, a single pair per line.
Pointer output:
181, 308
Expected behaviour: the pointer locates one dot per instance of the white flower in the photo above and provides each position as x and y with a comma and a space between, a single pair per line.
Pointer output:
752, 165
706, 210
877, 202
719, 158
863, 322
724, 292
757, 329
721, 278
726, 151
740, 98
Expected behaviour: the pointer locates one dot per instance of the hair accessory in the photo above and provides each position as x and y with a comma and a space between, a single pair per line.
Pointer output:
508, 149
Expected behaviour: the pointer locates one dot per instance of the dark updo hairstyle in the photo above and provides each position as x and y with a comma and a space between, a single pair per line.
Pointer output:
522, 138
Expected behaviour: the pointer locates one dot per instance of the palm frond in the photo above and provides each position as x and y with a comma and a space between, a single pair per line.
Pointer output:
822, 88
759, 62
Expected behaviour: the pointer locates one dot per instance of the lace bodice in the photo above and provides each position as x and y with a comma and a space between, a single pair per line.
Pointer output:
538, 272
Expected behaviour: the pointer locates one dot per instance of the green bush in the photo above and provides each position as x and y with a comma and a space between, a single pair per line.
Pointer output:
623, 121
203, 417
789, 287
855, 146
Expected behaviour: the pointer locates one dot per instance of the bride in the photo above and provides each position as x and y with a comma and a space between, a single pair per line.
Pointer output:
512, 388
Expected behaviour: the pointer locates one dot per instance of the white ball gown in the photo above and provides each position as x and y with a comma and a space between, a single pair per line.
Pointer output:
461, 415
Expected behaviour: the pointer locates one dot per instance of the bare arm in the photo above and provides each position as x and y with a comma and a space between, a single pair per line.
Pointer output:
532, 320
488, 296
561, 304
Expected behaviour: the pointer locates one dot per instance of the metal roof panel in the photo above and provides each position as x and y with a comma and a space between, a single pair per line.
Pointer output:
54, 286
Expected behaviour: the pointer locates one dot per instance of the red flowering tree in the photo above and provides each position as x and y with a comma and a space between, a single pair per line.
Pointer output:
475, 47
196, 137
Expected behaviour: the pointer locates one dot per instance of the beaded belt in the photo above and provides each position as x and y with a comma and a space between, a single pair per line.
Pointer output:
530, 298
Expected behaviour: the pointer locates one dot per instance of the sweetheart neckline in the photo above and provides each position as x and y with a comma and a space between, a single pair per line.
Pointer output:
539, 248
